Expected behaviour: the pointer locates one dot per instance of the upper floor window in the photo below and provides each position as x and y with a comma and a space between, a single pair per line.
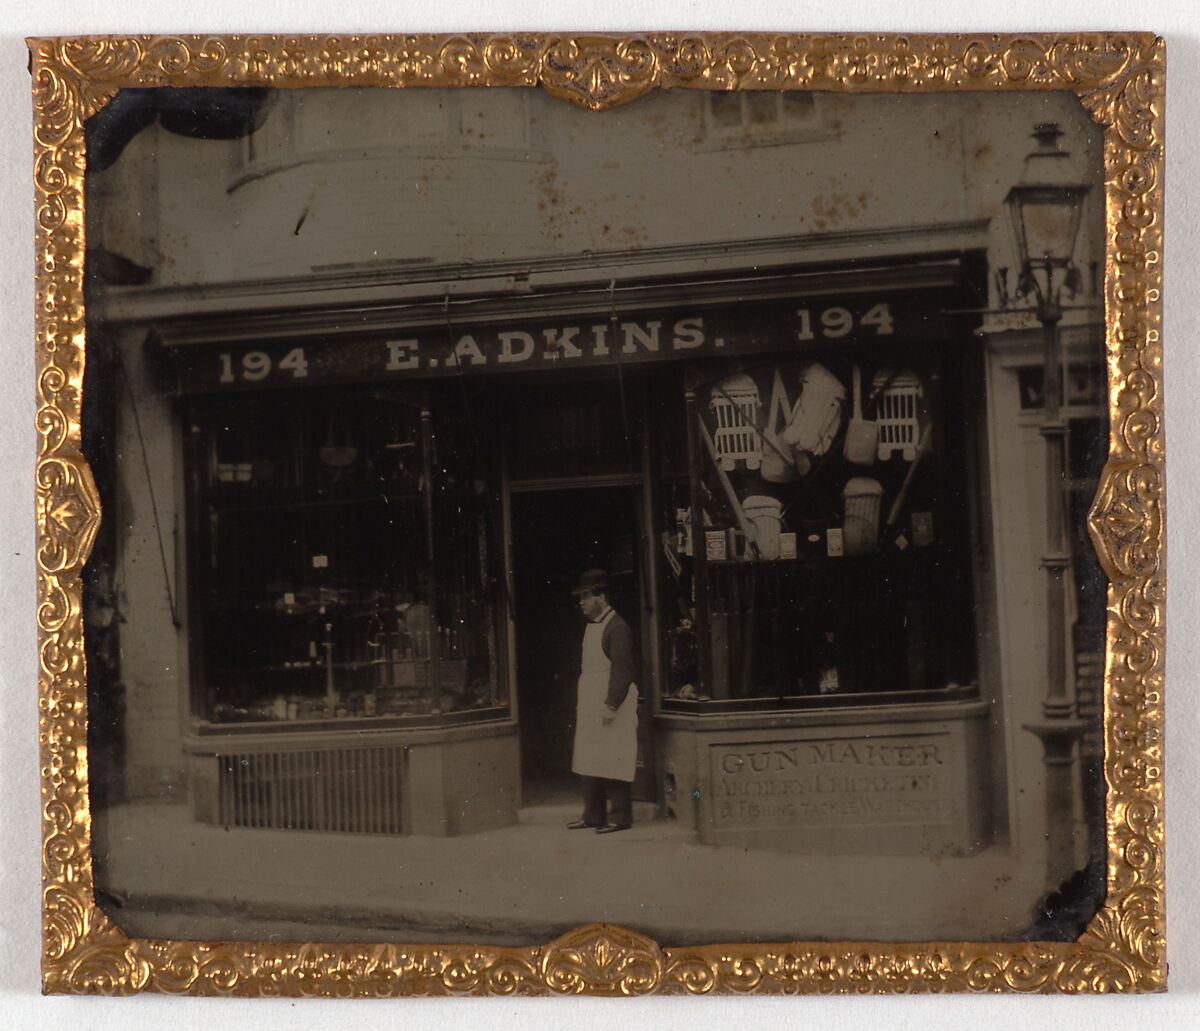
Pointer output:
765, 117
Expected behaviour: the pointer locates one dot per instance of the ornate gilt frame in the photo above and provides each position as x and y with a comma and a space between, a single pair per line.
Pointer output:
1120, 80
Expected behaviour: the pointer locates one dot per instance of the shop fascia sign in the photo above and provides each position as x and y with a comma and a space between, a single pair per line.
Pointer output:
809, 324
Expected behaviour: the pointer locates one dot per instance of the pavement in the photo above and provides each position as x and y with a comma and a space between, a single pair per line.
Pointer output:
162, 874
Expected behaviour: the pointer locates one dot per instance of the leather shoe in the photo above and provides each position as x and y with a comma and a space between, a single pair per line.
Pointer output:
578, 825
612, 828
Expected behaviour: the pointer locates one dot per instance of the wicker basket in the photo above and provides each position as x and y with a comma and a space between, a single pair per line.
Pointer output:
860, 529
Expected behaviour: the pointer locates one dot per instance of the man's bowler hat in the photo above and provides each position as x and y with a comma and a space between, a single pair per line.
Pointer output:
591, 581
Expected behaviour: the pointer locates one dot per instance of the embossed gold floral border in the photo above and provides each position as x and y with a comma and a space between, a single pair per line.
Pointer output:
1118, 77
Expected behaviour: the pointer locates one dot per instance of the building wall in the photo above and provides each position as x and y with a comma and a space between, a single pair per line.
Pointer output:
147, 521
530, 176
1018, 489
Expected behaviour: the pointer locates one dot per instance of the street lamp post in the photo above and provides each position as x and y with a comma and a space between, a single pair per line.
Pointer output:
1045, 209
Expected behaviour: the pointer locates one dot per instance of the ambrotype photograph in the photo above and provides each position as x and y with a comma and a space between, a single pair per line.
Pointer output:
518, 516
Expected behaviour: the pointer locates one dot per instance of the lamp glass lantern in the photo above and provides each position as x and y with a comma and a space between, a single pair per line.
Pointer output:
1045, 208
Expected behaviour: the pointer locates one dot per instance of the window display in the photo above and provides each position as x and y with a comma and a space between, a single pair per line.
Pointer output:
819, 549
299, 620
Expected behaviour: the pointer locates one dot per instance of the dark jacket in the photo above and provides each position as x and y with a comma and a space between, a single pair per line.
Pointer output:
617, 643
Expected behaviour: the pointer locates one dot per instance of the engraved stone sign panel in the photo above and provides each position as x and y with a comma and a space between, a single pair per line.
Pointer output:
876, 789
839, 782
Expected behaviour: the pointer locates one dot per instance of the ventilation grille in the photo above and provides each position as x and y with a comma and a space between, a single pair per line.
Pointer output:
356, 790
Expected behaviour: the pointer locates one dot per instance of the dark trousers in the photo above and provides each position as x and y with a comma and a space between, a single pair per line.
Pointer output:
599, 790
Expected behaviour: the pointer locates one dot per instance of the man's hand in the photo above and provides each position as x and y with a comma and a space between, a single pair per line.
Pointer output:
607, 719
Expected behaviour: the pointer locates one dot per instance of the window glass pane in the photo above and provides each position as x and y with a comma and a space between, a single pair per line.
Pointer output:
317, 599
572, 428
468, 593
1083, 384
762, 108
834, 534
725, 110
799, 106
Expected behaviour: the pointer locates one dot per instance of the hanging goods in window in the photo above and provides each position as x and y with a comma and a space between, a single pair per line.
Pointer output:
860, 527
736, 405
778, 466
902, 495
777, 463
862, 435
817, 416
897, 415
747, 527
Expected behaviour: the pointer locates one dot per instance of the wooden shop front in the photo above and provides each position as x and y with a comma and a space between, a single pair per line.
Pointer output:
385, 509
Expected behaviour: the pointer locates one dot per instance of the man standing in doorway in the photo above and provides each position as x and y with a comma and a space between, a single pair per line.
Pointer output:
605, 752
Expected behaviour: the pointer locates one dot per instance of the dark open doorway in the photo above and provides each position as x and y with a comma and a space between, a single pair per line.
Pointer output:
556, 534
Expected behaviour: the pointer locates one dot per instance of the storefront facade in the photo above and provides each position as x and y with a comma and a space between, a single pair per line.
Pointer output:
805, 455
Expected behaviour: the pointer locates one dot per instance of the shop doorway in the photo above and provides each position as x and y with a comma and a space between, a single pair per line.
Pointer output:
557, 532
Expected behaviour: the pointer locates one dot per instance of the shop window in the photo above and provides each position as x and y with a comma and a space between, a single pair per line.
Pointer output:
343, 553
819, 552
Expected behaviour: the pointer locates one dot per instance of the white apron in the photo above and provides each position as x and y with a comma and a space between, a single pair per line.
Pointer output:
602, 751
